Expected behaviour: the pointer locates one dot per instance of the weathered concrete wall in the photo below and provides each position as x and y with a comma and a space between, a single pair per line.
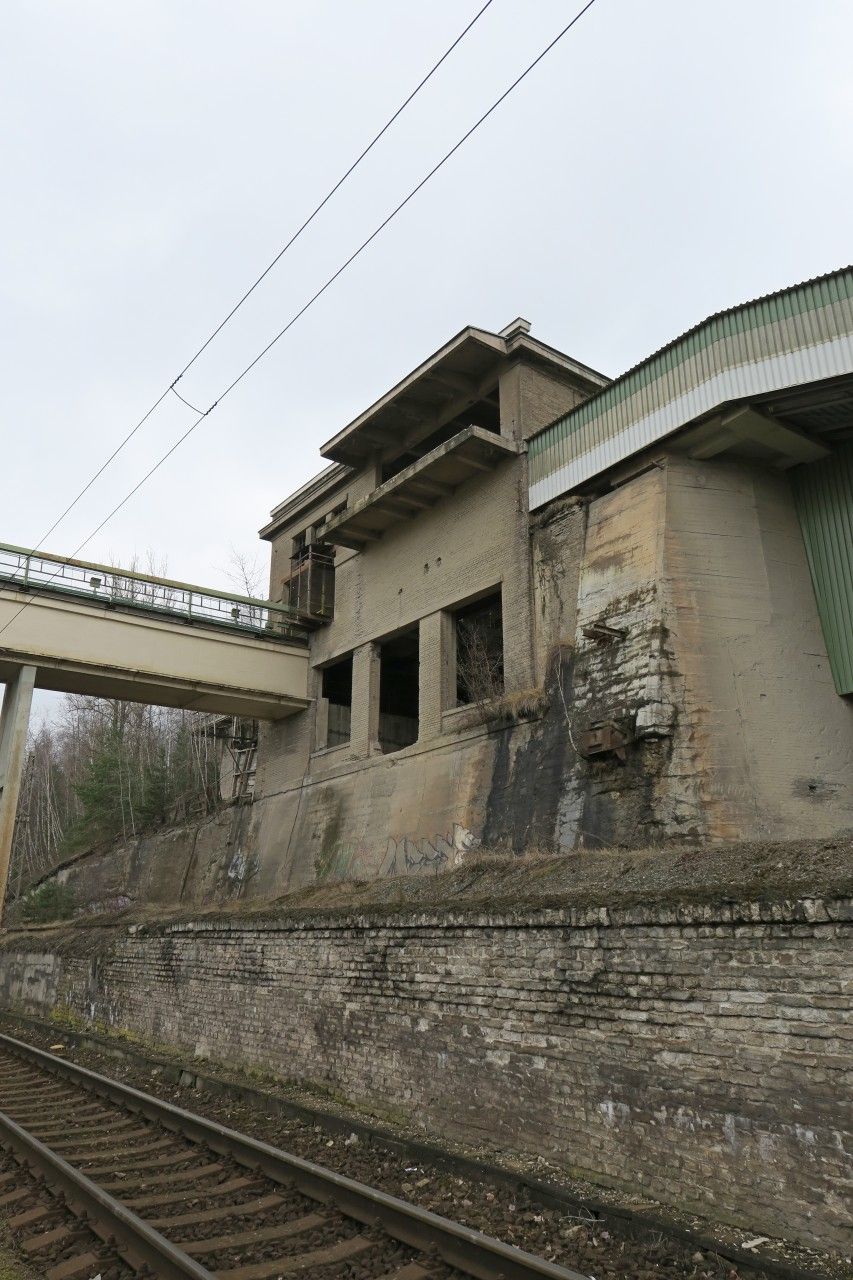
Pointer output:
720, 677
351, 810
698, 1052
713, 666
200, 862
762, 730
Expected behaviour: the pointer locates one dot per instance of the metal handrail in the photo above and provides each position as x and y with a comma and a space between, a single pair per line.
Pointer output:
39, 571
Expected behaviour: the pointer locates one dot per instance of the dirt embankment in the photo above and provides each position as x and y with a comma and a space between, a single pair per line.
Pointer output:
496, 881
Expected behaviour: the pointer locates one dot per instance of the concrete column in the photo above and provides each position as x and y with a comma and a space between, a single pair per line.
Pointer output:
321, 721
365, 700
434, 672
14, 723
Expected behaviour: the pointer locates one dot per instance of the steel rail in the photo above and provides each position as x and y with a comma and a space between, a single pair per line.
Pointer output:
131, 1237
463, 1247
133, 575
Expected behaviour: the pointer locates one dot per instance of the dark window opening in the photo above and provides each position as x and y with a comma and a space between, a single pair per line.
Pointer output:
485, 414
479, 651
337, 690
398, 691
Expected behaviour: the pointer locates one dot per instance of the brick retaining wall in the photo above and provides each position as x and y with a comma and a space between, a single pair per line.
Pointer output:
698, 1052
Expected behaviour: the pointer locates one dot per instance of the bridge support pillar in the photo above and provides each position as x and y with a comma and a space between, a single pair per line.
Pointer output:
14, 723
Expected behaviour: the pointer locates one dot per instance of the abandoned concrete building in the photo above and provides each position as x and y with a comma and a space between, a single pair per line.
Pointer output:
523, 608
551, 610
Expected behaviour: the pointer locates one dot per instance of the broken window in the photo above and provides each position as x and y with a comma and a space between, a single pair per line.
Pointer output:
398, 691
337, 690
479, 651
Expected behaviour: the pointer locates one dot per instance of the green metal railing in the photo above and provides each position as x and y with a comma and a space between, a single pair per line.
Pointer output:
37, 573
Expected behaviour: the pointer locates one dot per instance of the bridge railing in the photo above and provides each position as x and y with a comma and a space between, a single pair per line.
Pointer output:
37, 572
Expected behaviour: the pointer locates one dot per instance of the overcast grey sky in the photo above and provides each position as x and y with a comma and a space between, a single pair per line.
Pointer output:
668, 159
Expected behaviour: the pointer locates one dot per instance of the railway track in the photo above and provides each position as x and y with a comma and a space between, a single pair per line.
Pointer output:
109, 1180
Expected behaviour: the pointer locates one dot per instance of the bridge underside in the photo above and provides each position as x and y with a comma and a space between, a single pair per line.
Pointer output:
153, 689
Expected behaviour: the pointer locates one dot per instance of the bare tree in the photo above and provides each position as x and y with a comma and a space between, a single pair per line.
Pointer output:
102, 770
248, 577
247, 574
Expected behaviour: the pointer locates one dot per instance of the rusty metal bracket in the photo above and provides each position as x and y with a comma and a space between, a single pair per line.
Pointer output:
605, 737
604, 633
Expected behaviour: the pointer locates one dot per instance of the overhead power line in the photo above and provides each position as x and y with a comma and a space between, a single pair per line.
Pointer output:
304, 226
323, 288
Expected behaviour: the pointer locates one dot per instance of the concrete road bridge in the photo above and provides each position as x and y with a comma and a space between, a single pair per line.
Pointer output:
79, 627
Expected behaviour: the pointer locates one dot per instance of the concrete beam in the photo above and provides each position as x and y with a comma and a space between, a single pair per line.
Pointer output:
14, 724
426, 425
712, 444
786, 439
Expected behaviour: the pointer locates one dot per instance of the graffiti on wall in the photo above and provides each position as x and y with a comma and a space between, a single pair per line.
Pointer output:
407, 855
403, 855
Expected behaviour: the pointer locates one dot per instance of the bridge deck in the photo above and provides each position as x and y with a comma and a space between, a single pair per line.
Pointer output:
90, 628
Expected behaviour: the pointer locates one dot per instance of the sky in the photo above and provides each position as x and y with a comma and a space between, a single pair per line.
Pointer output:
666, 160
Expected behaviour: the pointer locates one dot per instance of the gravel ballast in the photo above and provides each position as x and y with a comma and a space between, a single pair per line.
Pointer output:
598, 1232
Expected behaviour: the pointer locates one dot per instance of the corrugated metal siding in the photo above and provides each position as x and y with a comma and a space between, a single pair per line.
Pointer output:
802, 335
824, 497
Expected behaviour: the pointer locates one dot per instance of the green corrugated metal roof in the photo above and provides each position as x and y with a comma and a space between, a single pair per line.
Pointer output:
824, 497
786, 304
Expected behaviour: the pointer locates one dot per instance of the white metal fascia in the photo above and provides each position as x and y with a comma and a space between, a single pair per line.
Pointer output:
776, 373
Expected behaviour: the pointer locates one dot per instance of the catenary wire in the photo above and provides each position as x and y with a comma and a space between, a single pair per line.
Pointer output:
303, 227
316, 296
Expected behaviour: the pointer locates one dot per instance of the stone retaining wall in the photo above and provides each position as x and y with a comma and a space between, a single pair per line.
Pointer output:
700, 1053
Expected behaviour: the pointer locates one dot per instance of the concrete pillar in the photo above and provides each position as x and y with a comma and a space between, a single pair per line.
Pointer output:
14, 723
321, 719
365, 700
436, 667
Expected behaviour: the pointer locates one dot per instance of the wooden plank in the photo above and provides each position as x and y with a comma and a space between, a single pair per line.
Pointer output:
259, 1205
279, 1231
32, 1244
170, 1179
179, 1197
84, 1264
274, 1267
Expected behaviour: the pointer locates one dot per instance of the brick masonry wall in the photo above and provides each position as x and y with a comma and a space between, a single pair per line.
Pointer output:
698, 1052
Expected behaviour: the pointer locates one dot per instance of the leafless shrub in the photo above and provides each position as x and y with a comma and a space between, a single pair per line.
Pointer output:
479, 662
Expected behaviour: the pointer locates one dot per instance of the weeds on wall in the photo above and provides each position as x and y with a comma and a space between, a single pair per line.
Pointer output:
480, 674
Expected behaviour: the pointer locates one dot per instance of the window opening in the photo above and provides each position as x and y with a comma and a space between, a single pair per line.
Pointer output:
337, 689
299, 545
398, 691
479, 651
